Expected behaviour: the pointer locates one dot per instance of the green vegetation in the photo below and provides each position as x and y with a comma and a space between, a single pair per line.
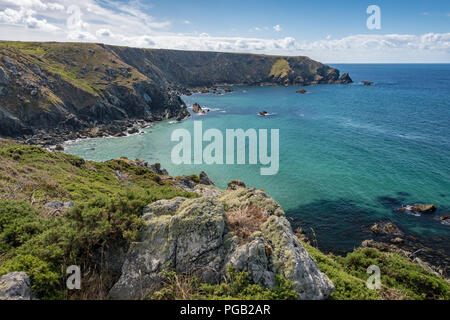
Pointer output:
67, 60
109, 198
235, 287
400, 277
280, 69
107, 213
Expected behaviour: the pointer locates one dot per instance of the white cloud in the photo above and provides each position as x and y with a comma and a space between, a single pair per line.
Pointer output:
26, 18
186, 22
130, 24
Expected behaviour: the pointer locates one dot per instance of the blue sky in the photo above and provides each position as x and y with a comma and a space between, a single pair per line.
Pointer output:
329, 31
307, 20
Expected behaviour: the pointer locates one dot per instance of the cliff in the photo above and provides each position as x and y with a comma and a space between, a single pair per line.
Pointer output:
67, 88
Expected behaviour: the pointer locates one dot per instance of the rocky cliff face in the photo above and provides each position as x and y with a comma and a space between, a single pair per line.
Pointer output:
196, 69
70, 87
239, 227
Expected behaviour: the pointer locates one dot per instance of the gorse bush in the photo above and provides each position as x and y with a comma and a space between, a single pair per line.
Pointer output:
400, 277
107, 212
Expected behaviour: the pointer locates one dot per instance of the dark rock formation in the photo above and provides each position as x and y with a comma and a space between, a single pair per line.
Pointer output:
367, 83
419, 208
302, 91
204, 179
345, 79
262, 113
386, 228
197, 108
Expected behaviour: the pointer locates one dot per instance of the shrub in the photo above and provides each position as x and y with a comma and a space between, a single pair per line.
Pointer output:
43, 279
244, 221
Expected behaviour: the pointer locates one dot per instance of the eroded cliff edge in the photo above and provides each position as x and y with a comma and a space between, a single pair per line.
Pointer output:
68, 88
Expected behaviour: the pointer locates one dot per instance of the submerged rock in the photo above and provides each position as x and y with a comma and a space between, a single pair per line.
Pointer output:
194, 236
262, 113
367, 83
302, 91
15, 286
387, 228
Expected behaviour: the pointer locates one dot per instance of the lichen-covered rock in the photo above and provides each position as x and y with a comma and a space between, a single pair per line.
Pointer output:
188, 240
15, 286
193, 236
254, 258
162, 207
290, 259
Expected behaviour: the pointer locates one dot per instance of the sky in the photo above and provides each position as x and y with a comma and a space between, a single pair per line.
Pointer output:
330, 31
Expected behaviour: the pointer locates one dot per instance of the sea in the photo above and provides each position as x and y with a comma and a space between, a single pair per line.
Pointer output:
349, 155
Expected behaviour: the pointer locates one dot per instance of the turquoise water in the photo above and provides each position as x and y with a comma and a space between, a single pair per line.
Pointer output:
349, 154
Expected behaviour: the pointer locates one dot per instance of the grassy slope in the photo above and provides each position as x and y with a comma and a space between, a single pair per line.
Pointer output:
108, 210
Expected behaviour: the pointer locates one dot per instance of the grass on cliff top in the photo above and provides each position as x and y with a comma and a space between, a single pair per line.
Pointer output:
68, 59
108, 197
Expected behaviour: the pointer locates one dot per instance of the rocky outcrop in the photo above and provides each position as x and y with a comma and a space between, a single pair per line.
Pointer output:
345, 79
197, 108
302, 91
419, 208
386, 228
194, 236
204, 179
15, 286
366, 83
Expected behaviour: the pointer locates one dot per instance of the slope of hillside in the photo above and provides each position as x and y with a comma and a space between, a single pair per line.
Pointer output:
72, 89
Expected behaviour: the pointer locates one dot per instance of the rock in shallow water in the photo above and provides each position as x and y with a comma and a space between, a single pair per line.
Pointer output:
192, 236
420, 208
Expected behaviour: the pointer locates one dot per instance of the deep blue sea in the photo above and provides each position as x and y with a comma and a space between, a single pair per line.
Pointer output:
349, 154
